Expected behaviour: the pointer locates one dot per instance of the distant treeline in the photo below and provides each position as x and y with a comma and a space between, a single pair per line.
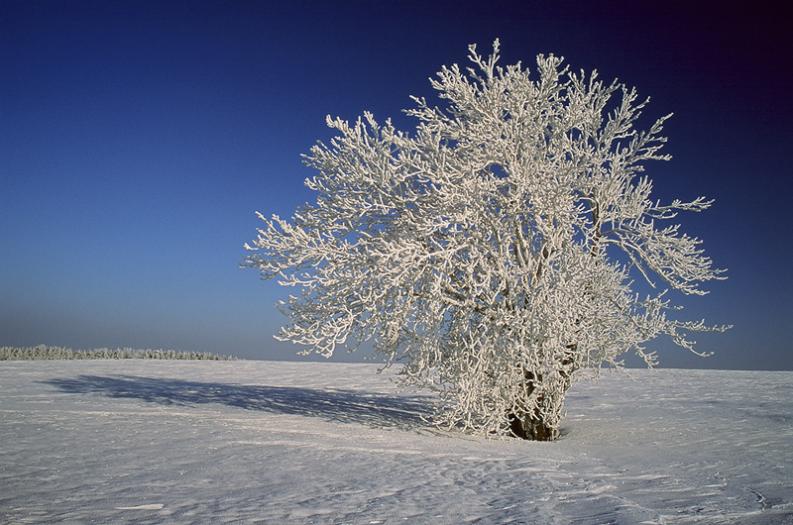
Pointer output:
44, 352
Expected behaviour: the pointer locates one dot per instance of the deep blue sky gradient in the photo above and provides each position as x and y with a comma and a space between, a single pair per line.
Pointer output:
137, 139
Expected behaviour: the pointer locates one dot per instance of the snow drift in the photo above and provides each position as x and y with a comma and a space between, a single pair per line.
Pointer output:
278, 442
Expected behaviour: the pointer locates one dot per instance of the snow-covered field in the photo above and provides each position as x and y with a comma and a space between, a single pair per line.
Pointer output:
256, 441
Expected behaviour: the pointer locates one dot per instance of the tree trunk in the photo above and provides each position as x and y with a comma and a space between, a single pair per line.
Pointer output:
532, 428
535, 426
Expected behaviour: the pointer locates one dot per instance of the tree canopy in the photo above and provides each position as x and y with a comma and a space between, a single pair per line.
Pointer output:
494, 249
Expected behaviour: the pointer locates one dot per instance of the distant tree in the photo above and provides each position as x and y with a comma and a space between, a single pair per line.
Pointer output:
494, 249
44, 352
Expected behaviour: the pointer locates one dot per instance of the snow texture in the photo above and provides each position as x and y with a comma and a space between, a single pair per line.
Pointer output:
279, 442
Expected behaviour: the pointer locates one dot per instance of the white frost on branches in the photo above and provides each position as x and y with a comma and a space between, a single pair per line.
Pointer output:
493, 250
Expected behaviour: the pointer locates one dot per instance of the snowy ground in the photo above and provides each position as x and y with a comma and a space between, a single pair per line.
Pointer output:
247, 441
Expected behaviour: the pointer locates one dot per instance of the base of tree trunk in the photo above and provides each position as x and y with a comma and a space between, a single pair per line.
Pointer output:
532, 429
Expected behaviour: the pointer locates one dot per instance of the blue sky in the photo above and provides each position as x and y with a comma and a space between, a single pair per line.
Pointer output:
137, 139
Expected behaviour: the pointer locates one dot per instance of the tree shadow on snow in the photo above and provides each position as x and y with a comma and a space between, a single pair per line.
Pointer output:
341, 406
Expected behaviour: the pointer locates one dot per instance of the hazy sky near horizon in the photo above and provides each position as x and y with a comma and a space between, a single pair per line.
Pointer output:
138, 138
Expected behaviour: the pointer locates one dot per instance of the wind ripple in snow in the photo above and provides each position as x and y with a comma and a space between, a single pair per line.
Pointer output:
282, 443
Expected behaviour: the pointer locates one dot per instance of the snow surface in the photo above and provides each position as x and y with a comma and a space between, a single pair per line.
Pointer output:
278, 442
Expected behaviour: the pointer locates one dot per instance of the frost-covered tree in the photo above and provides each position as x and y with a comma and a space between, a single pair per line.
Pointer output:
493, 250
